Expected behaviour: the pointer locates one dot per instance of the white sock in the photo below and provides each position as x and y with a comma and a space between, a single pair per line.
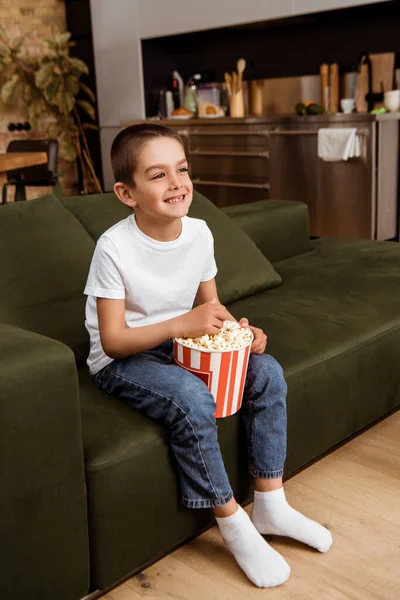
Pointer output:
262, 564
272, 514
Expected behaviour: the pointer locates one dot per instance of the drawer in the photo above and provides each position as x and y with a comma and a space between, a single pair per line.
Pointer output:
243, 141
233, 167
222, 195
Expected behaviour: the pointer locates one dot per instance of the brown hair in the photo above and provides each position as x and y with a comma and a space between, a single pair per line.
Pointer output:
129, 143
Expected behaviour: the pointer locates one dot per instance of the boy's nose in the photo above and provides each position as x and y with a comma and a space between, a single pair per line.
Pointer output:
174, 182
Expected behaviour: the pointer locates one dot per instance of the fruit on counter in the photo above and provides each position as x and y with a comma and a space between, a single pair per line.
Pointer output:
314, 109
301, 109
309, 108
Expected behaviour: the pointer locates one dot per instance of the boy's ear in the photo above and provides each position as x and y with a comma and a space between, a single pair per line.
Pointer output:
124, 194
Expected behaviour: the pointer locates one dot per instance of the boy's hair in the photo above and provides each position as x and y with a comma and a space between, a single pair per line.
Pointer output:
129, 143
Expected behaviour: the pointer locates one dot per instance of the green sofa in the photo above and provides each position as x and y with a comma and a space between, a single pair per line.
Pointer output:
89, 490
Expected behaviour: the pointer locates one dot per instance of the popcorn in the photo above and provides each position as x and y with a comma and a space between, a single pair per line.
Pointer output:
230, 337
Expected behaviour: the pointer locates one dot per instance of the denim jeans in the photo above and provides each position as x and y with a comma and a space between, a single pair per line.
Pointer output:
153, 384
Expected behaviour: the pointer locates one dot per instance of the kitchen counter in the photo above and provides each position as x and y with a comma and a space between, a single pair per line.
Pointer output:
268, 119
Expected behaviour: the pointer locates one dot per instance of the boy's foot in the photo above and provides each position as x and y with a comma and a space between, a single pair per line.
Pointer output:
262, 564
272, 514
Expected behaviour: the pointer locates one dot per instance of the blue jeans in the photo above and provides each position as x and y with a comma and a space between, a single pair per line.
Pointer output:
153, 384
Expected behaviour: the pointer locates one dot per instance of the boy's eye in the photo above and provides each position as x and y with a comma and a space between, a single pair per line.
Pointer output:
158, 176
183, 170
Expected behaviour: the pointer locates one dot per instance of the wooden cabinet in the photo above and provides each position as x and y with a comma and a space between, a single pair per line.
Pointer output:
229, 159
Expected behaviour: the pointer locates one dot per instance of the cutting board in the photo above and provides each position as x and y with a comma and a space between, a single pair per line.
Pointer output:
382, 71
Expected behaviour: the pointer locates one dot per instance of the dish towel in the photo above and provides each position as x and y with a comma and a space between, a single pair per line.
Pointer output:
338, 144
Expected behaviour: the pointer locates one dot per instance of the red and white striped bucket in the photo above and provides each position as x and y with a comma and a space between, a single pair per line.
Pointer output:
223, 372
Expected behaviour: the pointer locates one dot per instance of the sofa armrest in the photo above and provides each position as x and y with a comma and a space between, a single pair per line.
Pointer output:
43, 524
279, 228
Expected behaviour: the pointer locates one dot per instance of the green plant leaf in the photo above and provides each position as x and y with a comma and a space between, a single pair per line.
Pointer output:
65, 101
90, 126
63, 38
78, 64
44, 75
55, 130
8, 89
4, 50
68, 149
51, 89
72, 84
87, 91
88, 108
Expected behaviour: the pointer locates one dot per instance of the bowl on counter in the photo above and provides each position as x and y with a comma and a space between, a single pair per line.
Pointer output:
391, 100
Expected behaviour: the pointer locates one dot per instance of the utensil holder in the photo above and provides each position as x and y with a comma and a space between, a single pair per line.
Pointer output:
236, 104
256, 98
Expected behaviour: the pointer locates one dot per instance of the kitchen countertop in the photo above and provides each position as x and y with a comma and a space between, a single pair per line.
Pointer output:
284, 118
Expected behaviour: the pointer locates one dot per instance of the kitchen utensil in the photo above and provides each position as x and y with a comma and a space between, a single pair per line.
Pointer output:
228, 81
376, 76
391, 100
241, 65
236, 104
234, 83
324, 74
256, 98
334, 88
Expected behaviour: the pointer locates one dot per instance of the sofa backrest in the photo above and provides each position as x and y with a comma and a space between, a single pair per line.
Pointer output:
45, 256
242, 268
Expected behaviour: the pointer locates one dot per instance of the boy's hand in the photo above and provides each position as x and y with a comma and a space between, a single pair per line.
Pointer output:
260, 339
206, 318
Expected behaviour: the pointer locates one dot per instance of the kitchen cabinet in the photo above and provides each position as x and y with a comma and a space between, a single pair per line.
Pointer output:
354, 198
234, 161
229, 158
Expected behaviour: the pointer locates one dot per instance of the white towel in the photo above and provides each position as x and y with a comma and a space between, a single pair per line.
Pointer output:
337, 144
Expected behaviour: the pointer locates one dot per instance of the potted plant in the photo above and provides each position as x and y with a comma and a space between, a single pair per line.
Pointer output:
50, 84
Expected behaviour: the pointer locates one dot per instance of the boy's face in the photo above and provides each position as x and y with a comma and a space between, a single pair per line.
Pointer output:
163, 188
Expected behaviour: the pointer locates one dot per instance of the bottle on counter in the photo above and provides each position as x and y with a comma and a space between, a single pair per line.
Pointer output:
324, 73
334, 88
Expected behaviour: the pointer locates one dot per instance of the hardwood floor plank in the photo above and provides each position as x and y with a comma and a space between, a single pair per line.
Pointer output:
355, 492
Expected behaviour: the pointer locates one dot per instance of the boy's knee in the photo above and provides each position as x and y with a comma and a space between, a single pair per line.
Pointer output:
268, 368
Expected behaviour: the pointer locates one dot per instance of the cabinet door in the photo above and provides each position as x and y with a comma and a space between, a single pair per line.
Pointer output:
346, 193
293, 168
339, 195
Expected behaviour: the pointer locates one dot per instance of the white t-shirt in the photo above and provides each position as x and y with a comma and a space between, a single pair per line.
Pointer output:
158, 280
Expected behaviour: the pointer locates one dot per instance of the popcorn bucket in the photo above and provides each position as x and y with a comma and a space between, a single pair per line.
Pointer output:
223, 372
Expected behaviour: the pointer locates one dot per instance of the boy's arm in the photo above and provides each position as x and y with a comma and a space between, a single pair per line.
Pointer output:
119, 341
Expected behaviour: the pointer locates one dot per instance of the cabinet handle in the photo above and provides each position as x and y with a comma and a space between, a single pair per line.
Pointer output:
303, 131
214, 133
220, 153
257, 186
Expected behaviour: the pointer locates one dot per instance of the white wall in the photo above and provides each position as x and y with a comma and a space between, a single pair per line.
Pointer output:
166, 17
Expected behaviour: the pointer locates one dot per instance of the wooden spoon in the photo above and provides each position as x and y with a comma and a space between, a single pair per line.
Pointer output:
228, 81
241, 65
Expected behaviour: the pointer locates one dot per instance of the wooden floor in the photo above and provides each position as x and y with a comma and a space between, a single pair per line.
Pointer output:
354, 491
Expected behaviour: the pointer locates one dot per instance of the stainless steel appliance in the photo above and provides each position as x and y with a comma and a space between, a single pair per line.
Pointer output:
354, 198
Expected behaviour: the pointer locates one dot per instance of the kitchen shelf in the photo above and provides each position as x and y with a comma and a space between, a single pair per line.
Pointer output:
255, 186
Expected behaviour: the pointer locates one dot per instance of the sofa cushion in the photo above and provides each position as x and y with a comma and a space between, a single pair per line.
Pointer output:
341, 294
242, 269
46, 255
97, 212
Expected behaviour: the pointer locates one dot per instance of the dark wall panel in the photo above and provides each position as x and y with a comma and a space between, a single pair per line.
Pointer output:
281, 48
